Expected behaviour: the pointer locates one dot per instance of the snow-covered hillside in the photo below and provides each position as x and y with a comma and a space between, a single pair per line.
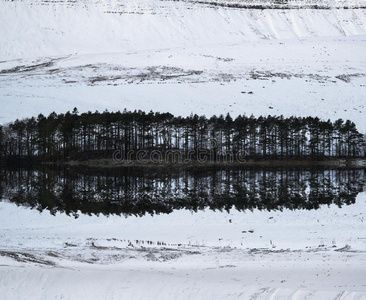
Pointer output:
31, 29
301, 254
182, 57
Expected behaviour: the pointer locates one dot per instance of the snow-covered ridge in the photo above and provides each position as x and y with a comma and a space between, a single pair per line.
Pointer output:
277, 4
282, 4
51, 28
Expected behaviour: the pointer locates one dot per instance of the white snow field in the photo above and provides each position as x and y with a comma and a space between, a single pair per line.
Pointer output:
184, 57
319, 254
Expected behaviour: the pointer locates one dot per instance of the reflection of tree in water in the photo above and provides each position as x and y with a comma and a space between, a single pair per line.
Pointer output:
139, 192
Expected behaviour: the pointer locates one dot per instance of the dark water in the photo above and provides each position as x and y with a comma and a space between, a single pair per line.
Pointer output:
138, 192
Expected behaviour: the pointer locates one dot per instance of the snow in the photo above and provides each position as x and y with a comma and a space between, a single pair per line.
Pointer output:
259, 254
183, 57
180, 57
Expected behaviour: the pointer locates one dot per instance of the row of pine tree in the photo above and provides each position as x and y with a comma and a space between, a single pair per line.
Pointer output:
98, 135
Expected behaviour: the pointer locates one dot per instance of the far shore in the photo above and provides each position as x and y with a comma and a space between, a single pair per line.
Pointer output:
110, 163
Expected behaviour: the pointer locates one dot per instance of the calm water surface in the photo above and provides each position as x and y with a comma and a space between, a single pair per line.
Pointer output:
136, 191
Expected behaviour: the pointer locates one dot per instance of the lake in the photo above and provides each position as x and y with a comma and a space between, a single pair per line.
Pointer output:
141, 191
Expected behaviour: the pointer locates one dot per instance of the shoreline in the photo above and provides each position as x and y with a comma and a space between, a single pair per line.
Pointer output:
110, 163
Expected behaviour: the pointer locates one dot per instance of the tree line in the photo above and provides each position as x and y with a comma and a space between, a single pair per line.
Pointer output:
74, 136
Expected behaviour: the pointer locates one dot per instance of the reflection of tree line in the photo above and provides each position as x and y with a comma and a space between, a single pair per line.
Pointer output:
139, 192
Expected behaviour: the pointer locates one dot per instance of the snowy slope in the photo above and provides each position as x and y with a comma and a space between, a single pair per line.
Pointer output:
31, 29
182, 57
317, 254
